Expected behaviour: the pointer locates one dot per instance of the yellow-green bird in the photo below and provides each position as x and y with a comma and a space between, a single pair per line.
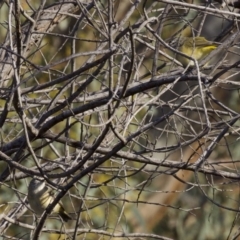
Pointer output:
40, 196
197, 48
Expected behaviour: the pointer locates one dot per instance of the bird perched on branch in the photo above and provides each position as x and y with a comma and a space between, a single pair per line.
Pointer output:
40, 196
194, 47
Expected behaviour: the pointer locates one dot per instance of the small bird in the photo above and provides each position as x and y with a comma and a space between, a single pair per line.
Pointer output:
40, 196
197, 48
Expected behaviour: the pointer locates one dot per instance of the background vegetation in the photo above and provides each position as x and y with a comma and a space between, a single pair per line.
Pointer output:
134, 145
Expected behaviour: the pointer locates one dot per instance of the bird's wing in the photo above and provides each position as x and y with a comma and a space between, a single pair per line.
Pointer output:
48, 190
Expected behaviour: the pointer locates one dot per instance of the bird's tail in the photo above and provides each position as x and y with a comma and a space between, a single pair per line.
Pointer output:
65, 217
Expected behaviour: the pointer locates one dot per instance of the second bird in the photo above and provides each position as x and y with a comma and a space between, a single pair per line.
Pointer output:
40, 196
